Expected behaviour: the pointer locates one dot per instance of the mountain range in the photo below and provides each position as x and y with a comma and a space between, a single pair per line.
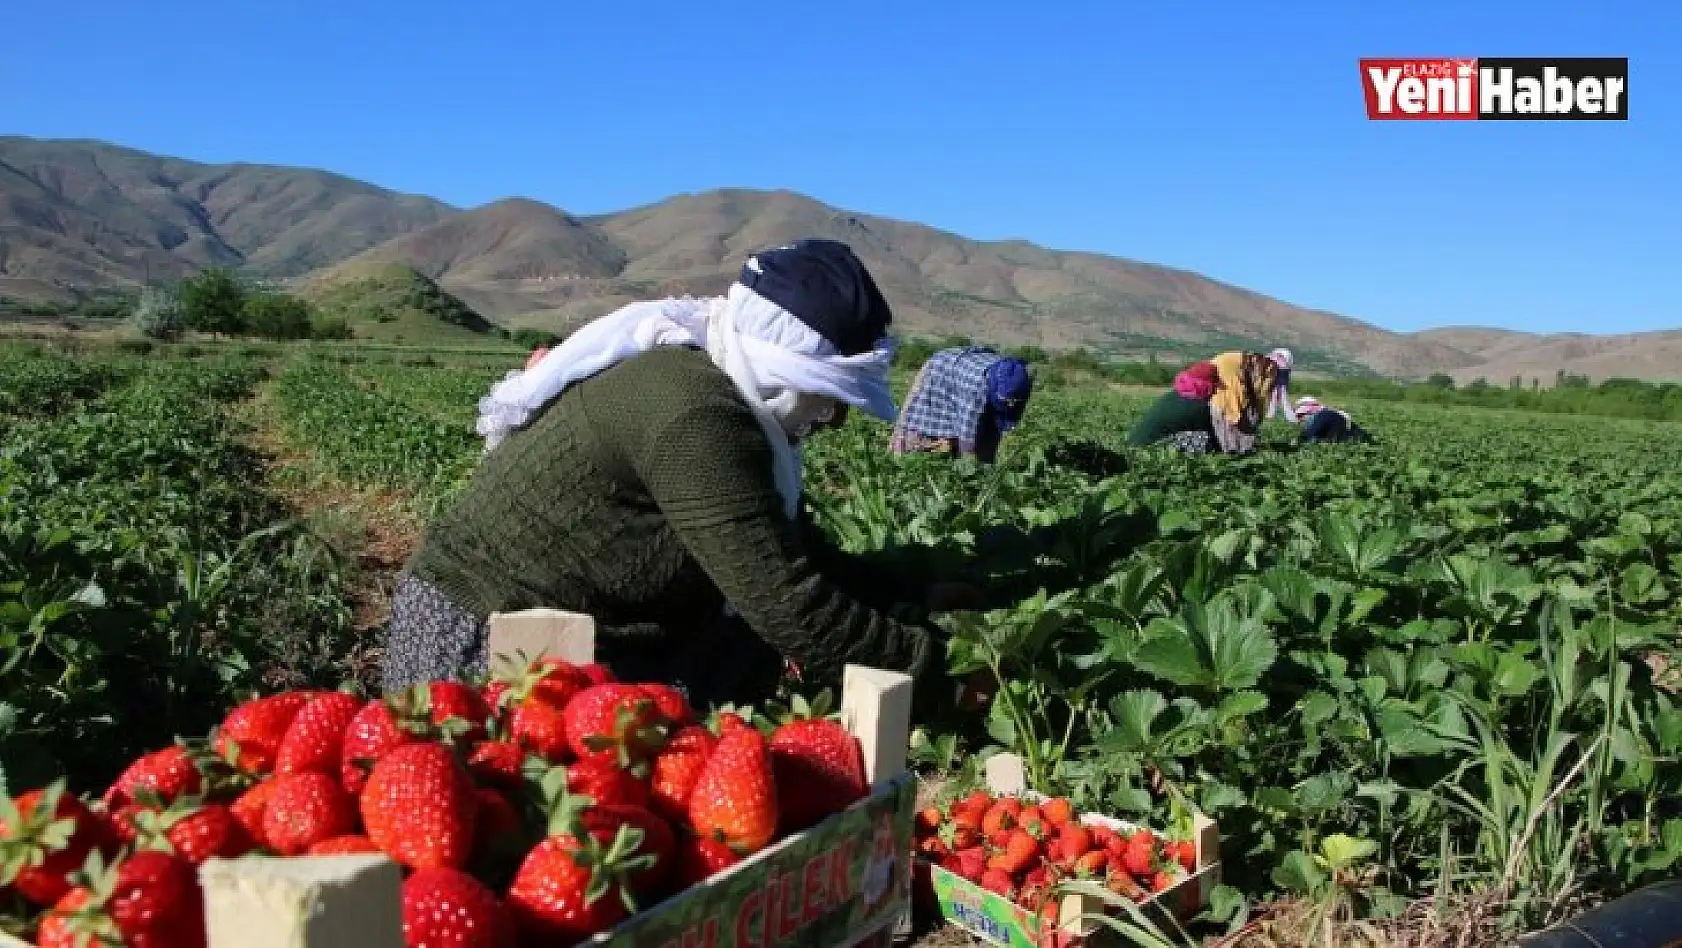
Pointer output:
83, 215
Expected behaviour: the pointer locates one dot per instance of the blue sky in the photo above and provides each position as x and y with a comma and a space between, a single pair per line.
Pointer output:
1230, 140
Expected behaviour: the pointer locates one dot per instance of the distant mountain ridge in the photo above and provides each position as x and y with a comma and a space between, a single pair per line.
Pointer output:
92, 215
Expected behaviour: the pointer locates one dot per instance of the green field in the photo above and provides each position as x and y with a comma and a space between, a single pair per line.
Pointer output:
1430, 679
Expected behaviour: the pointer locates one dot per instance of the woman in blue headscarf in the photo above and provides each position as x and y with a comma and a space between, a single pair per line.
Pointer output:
963, 402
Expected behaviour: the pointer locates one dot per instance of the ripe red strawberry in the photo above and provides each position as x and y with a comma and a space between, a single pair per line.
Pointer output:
255, 729
1183, 852
700, 859
819, 770
969, 863
373, 732
1058, 812
1020, 851
125, 823
536, 705
1074, 841
571, 887
994, 880
168, 774
1094, 864
606, 782
928, 820
539, 726
45, 836
355, 844
617, 721
1139, 858
419, 807
1001, 816
597, 674
305, 809
975, 803
726, 721
671, 703
248, 809
453, 701
195, 831
1163, 880
315, 739
446, 908
735, 799
658, 841
497, 764
149, 900
1032, 820
677, 768
495, 694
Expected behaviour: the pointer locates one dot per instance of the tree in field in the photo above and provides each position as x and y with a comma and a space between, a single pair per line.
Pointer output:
213, 302
158, 314
277, 316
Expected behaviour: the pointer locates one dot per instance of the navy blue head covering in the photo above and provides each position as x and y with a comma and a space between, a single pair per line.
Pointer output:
1008, 388
826, 286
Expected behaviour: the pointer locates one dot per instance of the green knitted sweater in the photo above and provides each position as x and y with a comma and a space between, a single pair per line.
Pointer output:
644, 497
1170, 415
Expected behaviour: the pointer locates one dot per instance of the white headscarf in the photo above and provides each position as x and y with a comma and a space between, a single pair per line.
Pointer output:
771, 355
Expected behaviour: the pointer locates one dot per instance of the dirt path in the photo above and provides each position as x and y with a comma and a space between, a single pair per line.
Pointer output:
372, 532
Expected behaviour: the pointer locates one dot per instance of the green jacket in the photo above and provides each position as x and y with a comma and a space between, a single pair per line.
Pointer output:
1170, 415
644, 497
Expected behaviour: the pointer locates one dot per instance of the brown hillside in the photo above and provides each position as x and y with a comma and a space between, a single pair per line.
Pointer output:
510, 240
86, 215
1503, 354
90, 215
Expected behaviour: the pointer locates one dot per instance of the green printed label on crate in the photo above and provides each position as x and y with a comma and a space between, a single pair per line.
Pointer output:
988, 914
841, 879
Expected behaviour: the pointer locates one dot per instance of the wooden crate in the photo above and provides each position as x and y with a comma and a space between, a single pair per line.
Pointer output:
1001, 921
845, 882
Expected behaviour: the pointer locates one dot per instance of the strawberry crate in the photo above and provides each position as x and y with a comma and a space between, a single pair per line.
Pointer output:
1071, 923
844, 882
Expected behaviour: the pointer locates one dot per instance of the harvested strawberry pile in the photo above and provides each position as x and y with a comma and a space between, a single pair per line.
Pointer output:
534, 811
1022, 849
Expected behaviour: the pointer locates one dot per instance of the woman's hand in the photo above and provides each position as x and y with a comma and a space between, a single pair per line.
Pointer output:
954, 597
536, 356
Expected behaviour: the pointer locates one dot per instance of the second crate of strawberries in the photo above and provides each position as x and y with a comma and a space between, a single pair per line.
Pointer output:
1018, 868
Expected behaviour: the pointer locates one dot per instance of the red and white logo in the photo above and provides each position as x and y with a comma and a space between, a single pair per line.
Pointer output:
1453, 88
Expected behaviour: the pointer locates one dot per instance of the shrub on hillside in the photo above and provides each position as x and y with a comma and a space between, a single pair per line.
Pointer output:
158, 314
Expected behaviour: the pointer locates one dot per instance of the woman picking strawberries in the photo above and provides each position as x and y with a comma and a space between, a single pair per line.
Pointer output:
646, 471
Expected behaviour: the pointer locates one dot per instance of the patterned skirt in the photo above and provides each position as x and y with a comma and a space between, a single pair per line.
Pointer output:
430, 638
1233, 439
1191, 442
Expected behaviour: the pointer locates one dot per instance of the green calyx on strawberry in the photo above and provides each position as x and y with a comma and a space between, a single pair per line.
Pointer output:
44, 836
799, 709
609, 862
417, 711
615, 721
148, 897
193, 830
183, 768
